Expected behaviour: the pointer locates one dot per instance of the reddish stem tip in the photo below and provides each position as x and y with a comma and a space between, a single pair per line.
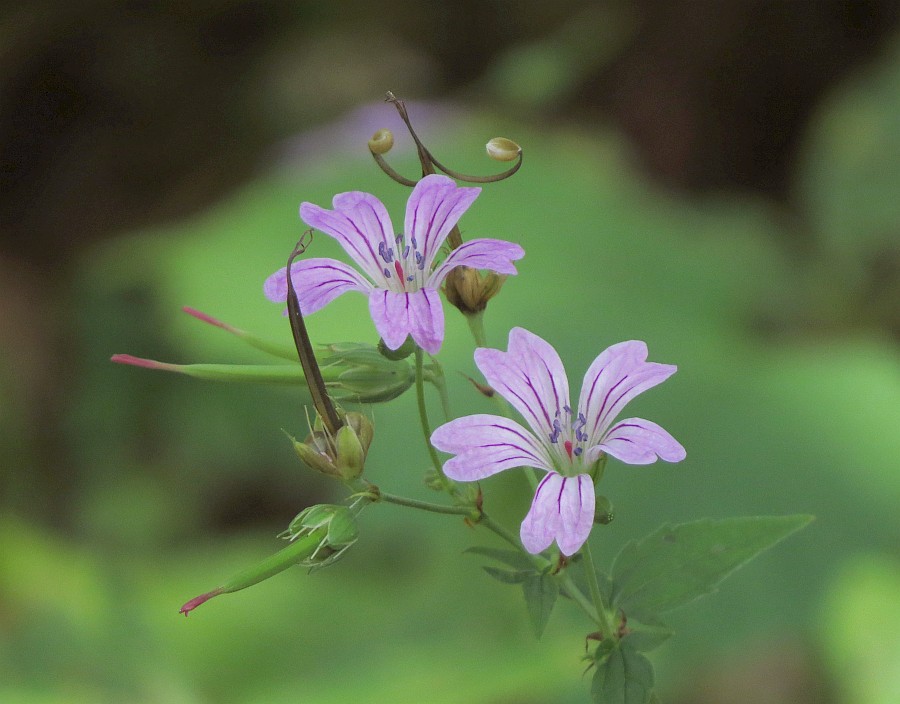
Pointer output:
199, 315
197, 600
135, 361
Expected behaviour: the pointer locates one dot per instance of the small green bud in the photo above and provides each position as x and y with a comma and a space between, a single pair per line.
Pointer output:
502, 149
603, 511
382, 142
360, 373
402, 352
352, 444
340, 532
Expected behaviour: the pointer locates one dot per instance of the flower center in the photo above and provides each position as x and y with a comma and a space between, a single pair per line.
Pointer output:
569, 437
404, 265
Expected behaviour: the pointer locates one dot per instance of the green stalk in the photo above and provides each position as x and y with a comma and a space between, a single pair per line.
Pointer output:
299, 549
600, 607
423, 417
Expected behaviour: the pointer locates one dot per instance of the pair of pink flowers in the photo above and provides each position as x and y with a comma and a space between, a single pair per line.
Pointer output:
402, 278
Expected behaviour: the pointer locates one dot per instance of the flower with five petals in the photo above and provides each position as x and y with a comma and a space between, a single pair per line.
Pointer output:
400, 273
564, 441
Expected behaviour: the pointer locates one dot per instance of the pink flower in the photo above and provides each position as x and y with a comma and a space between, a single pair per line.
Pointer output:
400, 274
565, 442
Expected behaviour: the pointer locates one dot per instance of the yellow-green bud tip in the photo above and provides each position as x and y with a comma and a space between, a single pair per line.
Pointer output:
502, 149
382, 142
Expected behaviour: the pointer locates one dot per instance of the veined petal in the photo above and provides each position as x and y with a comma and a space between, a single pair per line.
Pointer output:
639, 441
529, 375
435, 206
562, 510
360, 223
620, 373
316, 281
418, 313
576, 507
496, 255
486, 444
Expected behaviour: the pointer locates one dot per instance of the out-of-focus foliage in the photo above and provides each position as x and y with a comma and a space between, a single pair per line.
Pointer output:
804, 422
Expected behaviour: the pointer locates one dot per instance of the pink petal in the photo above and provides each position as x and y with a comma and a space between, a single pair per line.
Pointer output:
618, 375
419, 314
530, 376
639, 441
562, 510
486, 444
317, 283
577, 511
496, 255
435, 206
359, 223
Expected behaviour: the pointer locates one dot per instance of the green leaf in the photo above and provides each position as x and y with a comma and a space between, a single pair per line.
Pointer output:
540, 592
623, 676
647, 636
513, 558
677, 564
507, 576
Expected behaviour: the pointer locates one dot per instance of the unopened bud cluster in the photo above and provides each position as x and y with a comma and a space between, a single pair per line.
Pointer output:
342, 455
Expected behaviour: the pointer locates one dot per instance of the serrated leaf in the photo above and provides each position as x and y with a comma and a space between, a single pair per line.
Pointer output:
624, 676
677, 564
541, 591
513, 558
506, 576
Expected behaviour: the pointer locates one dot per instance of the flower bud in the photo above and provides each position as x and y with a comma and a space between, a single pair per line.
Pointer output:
343, 456
502, 149
469, 290
603, 511
382, 142
341, 532
359, 372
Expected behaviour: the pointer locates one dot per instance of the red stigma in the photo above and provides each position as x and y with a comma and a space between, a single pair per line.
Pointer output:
568, 445
400, 274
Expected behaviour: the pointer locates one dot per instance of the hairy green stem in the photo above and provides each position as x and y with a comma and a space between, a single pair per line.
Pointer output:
596, 595
423, 417
427, 505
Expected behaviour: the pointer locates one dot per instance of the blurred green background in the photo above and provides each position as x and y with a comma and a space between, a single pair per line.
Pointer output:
718, 179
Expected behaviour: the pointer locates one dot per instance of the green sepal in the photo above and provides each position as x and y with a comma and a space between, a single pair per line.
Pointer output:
678, 564
622, 675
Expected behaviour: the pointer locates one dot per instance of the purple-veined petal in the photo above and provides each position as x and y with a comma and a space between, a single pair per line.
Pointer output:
360, 223
529, 375
496, 255
435, 206
486, 444
317, 283
562, 510
418, 313
619, 373
577, 510
639, 441
542, 521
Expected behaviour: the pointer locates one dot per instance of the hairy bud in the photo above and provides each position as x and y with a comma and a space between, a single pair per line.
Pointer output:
342, 456
470, 291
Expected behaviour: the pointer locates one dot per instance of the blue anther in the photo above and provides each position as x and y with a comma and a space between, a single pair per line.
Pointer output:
577, 451
406, 252
387, 273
